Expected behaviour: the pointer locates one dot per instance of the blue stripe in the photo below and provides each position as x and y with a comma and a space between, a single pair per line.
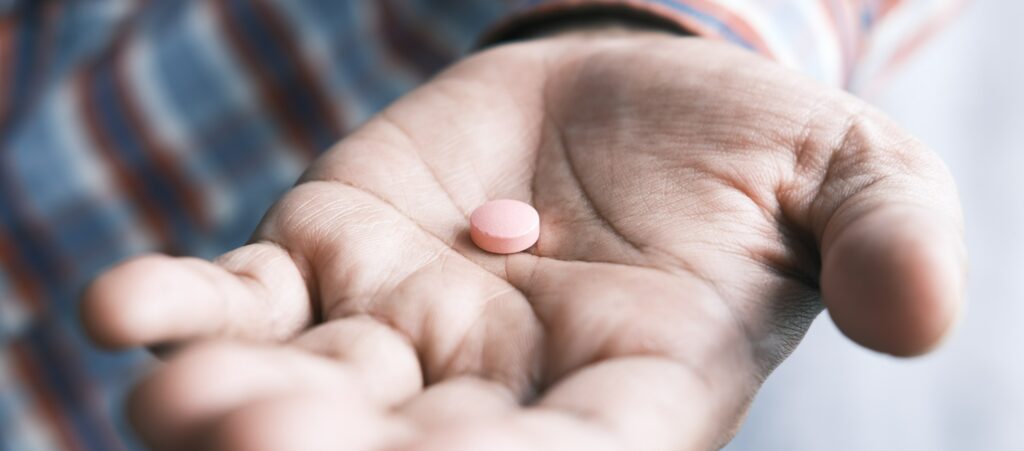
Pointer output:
273, 58
130, 149
48, 356
23, 80
232, 143
460, 22
367, 81
78, 228
12, 406
38, 257
29, 25
197, 95
867, 18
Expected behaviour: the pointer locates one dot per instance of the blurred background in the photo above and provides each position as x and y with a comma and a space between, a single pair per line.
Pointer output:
963, 95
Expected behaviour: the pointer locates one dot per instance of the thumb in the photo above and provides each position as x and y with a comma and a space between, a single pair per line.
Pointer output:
890, 231
893, 278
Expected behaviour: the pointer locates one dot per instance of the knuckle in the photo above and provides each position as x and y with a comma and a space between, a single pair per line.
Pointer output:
316, 212
295, 215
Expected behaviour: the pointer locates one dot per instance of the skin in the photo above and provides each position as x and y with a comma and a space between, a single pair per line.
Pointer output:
699, 207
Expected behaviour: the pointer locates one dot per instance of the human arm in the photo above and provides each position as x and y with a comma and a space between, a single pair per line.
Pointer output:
696, 201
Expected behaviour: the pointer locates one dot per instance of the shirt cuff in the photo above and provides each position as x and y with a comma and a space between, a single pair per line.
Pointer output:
826, 40
743, 23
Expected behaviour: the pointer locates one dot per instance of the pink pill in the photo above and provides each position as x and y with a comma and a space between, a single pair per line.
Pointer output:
504, 226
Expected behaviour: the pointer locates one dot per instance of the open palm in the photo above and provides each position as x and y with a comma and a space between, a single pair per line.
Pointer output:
697, 203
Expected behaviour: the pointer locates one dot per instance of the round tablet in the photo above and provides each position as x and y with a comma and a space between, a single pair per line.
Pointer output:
504, 226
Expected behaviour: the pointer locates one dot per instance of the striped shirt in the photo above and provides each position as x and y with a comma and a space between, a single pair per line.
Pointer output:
129, 126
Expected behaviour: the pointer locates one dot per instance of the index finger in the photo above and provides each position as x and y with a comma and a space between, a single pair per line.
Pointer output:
254, 292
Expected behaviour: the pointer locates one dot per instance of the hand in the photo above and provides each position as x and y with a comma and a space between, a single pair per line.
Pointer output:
697, 202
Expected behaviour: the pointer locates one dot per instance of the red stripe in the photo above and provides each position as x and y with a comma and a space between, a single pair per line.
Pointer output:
39, 60
25, 281
885, 8
410, 44
736, 24
26, 286
29, 374
165, 162
124, 176
47, 43
910, 46
924, 34
6, 64
157, 153
857, 37
273, 94
283, 33
843, 26
28, 281
54, 351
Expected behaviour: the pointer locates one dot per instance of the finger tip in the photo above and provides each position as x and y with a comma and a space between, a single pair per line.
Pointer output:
894, 282
165, 407
114, 310
272, 425
307, 421
101, 313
